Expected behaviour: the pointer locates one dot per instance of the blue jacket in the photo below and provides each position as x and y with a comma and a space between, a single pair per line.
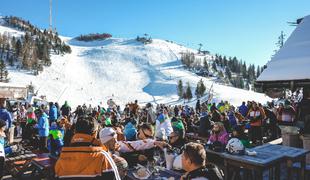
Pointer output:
53, 113
43, 126
232, 119
243, 109
130, 131
6, 116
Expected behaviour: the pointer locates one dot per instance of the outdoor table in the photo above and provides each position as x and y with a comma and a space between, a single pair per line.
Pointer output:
17, 165
262, 161
163, 174
44, 165
291, 155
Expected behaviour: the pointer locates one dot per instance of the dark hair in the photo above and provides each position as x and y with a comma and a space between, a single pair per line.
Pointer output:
146, 126
86, 125
195, 152
2, 123
240, 132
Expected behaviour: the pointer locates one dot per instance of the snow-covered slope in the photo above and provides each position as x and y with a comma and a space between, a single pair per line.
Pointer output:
122, 69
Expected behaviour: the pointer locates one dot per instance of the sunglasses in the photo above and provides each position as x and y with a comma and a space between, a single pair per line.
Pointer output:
146, 135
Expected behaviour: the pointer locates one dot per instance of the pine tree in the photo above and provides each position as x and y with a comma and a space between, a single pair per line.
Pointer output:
214, 66
202, 88
180, 89
11, 60
228, 73
197, 90
189, 94
18, 48
220, 74
258, 71
205, 64
3, 72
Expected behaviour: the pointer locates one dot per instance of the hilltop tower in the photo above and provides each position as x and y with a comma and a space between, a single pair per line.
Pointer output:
50, 18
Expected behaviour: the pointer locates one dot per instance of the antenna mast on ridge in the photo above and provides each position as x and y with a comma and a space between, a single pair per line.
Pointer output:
51, 20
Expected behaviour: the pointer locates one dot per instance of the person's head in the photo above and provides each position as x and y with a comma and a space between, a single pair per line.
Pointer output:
193, 156
86, 125
254, 105
145, 131
174, 137
51, 104
243, 103
2, 102
218, 127
2, 126
108, 137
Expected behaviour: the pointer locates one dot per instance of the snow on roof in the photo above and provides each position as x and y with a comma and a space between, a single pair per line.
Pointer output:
292, 61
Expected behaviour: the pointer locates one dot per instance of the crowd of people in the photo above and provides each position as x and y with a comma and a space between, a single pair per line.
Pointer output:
107, 141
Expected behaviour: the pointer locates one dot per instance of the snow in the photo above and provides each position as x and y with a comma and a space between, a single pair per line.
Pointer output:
122, 69
292, 61
9, 31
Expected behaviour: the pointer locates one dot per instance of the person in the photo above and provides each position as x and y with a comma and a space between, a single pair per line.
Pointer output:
238, 133
4, 114
163, 125
256, 116
130, 130
204, 125
56, 142
2, 142
141, 150
243, 109
286, 114
65, 109
151, 115
177, 125
86, 157
52, 112
198, 108
218, 134
58, 109
231, 117
108, 137
221, 106
43, 129
215, 115
271, 124
303, 112
195, 164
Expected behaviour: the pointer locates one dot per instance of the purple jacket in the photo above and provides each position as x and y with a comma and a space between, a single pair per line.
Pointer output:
222, 137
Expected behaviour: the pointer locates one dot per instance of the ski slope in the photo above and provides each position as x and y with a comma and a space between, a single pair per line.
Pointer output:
122, 69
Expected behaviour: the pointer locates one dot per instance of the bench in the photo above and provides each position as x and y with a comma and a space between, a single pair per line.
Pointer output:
18, 165
43, 165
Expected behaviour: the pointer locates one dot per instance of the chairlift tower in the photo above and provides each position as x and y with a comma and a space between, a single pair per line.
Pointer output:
50, 18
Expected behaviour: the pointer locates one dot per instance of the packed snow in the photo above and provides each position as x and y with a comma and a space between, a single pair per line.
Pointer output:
122, 69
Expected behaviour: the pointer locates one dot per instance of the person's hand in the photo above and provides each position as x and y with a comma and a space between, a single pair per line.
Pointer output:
142, 158
161, 144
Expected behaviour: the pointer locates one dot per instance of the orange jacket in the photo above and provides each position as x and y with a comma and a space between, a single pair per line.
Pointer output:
256, 116
83, 159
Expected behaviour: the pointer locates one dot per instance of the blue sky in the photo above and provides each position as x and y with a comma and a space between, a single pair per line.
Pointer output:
241, 28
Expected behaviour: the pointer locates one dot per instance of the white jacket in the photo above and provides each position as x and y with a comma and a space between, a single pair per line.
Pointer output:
132, 146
